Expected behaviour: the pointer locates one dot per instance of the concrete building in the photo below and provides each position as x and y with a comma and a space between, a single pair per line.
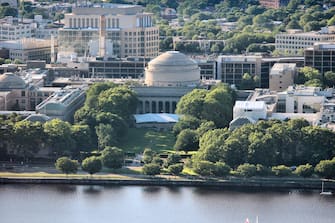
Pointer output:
12, 29
63, 103
274, 3
252, 109
231, 68
282, 76
321, 56
28, 49
119, 30
295, 41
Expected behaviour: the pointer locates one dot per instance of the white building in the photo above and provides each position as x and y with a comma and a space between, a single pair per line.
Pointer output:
255, 110
12, 29
295, 41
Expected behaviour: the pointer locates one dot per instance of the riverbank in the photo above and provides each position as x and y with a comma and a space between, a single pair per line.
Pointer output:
231, 183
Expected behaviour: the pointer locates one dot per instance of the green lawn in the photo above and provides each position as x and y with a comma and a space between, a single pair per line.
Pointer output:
139, 139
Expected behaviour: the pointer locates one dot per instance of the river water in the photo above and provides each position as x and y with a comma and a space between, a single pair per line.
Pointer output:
134, 204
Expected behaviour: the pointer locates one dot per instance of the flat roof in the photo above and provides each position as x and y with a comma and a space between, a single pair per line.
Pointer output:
156, 118
252, 105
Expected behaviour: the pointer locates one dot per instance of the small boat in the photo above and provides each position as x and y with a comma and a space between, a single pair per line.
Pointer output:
325, 192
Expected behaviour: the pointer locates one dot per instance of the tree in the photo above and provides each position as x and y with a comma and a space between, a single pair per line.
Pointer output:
59, 136
329, 79
172, 159
66, 165
310, 73
326, 168
112, 157
92, 165
106, 135
246, 170
81, 134
186, 122
148, 155
176, 169
157, 160
187, 140
192, 103
304, 170
204, 168
151, 169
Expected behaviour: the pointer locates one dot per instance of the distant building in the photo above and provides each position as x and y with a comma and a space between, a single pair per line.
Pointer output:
282, 76
295, 41
12, 29
321, 56
231, 68
274, 3
124, 30
11, 3
63, 103
28, 49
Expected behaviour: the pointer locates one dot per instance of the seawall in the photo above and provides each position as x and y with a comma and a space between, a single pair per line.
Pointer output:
238, 183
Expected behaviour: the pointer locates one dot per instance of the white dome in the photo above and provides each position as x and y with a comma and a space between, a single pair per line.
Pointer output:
172, 68
10, 81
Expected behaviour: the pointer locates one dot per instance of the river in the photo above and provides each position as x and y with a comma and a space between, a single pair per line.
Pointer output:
134, 204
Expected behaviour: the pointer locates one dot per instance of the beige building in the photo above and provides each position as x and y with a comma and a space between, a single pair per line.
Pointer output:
282, 76
295, 41
273, 3
12, 29
28, 49
119, 30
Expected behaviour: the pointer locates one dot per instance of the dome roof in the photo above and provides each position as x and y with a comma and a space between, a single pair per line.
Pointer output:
38, 118
172, 68
10, 81
172, 58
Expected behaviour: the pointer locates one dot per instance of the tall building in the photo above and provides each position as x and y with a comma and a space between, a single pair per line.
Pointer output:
295, 41
321, 56
117, 29
282, 76
274, 3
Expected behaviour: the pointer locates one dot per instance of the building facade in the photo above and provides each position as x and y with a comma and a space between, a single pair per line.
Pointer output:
130, 31
12, 29
282, 76
295, 41
321, 56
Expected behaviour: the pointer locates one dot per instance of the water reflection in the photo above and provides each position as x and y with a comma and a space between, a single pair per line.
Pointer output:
152, 189
93, 189
64, 189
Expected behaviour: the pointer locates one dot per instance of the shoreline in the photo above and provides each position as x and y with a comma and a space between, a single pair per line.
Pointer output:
238, 183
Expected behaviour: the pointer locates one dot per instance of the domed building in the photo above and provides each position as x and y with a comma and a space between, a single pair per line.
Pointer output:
168, 77
10, 81
172, 69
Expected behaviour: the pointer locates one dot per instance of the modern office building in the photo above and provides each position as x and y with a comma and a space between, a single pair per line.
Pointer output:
321, 56
295, 41
282, 76
116, 30
231, 68
63, 103
274, 3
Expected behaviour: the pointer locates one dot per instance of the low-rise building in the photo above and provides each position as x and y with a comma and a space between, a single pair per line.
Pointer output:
274, 3
295, 41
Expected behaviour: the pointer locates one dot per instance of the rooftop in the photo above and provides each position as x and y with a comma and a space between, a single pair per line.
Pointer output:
156, 118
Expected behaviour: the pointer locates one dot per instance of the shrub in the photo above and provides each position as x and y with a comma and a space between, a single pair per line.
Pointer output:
176, 169
148, 155
92, 165
246, 170
281, 170
304, 170
157, 160
66, 165
263, 170
204, 168
221, 169
151, 169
